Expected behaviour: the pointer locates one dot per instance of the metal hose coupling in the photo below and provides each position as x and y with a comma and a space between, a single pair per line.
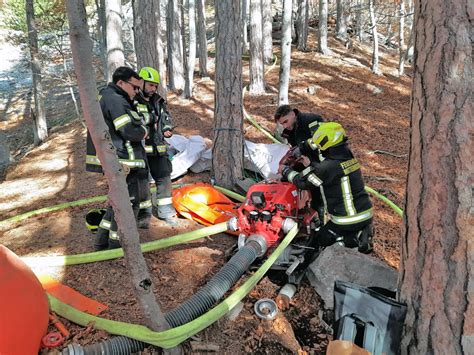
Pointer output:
259, 243
232, 224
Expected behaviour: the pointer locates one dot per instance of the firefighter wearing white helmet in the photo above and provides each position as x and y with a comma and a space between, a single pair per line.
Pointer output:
339, 178
158, 120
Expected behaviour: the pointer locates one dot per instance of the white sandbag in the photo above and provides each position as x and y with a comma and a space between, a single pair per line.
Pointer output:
264, 158
186, 157
204, 163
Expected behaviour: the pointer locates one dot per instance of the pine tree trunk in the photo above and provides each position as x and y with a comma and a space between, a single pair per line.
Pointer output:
302, 25
375, 39
40, 126
323, 28
227, 151
285, 53
257, 84
202, 37
437, 254
81, 46
113, 18
401, 38
188, 90
341, 26
175, 47
102, 33
245, 27
267, 31
147, 37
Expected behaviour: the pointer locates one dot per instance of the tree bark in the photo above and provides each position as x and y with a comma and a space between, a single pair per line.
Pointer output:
202, 37
40, 125
401, 38
257, 83
375, 39
341, 26
285, 53
81, 46
323, 28
102, 34
267, 19
227, 151
437, 253
245, 22
147, 37
188, 89
302, 25
175, 47
113, 18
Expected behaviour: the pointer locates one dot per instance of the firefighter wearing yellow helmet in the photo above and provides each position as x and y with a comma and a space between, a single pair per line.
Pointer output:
158, 120
339, 178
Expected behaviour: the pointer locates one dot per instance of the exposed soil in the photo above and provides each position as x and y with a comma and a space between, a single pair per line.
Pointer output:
54, 173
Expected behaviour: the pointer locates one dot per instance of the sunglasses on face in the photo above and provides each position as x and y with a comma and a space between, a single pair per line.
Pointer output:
135, 87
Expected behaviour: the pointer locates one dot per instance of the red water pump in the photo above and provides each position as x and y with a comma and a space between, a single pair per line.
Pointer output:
269, 211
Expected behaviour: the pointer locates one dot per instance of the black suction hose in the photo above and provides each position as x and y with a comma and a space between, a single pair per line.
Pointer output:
192, 308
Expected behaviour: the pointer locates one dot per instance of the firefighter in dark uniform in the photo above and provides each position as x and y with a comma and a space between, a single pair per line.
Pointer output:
298, 127
339, 177
158, 121
127, 131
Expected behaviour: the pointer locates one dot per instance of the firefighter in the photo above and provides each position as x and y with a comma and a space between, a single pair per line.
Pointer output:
339, 178
298, 127
158, 120
127, 130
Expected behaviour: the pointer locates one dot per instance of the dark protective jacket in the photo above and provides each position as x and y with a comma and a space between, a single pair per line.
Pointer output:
305, 126
341, 183
158, 121
126, 128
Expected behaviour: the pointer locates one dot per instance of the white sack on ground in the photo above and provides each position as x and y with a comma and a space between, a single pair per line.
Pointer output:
264, 158
193, 155
189, 152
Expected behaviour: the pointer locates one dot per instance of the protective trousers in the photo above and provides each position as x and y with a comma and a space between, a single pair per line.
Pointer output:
160, 170
107, 236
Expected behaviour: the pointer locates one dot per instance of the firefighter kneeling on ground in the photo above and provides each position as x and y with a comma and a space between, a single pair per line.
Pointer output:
339, 178
158, 120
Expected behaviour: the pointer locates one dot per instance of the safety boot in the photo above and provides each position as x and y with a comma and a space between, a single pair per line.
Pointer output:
166, 213
101, 239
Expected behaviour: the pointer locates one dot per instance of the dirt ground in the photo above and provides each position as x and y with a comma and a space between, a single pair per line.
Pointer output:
54, 173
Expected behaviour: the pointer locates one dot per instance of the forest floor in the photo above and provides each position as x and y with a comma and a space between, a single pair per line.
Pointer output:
340, 87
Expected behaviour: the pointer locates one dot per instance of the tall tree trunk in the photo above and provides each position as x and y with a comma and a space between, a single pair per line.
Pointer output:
113, 18
267, 31
81, 46
40, 126
202, 37
175, 47
437, 254
341, 25
257, 84
375, 39
188, 89
285, 53
401, 38
147, 37
302, 25
360, 20
227, 151
409, 48
245, 25
102, 34
323, 28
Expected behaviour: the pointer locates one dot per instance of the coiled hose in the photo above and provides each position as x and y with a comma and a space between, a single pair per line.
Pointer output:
192, 308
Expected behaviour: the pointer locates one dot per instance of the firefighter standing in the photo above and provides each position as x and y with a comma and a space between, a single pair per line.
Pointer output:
339, 177
127, 130
158, 121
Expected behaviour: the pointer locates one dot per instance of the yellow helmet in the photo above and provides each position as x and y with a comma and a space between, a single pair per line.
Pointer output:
149, 74
328, 135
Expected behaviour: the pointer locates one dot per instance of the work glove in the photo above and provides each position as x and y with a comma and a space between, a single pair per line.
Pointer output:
285, 171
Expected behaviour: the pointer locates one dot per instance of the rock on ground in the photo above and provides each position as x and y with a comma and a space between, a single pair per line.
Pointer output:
344, 264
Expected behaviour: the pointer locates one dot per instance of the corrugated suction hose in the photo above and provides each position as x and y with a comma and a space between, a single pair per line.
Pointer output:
192, 308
